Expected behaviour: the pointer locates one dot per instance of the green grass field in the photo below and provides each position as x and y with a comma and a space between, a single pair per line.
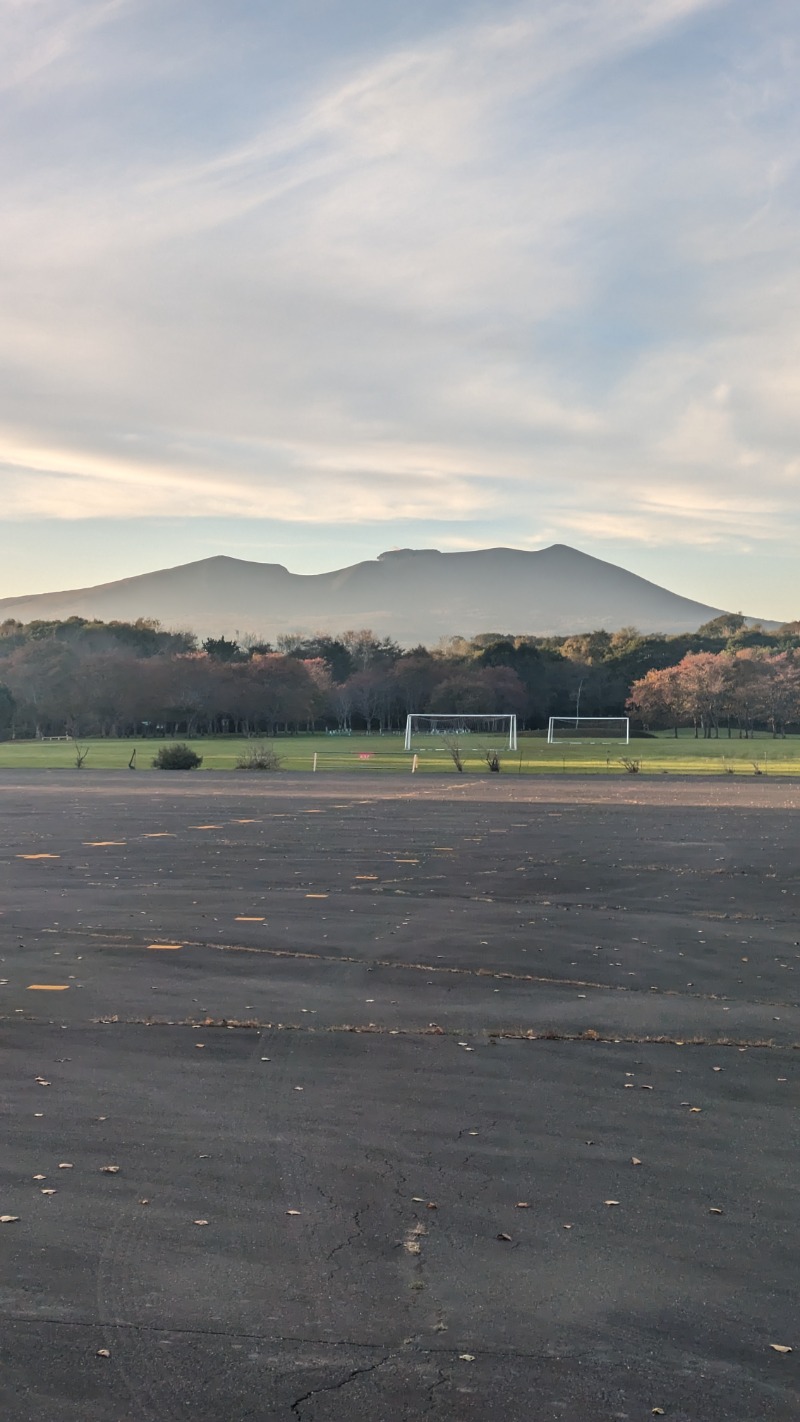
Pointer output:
386, 754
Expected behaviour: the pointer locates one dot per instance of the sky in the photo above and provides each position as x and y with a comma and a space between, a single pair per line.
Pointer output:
303, 281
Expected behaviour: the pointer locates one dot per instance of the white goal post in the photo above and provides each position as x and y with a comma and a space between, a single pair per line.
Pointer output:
588, 728
457, 725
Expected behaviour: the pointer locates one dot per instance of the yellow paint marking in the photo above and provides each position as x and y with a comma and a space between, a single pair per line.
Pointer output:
316, 896
365, 876
242, 918
38, 856
160, 834
443, 849
406, 861
206, 827
246, 822
164, 947
48, 987
101, 843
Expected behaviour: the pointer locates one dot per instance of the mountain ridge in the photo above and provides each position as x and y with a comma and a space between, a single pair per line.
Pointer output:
413, 595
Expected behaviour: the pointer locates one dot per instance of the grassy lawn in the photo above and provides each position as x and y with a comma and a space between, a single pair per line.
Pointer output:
385, 753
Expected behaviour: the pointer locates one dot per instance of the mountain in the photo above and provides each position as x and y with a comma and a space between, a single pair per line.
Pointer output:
413, 595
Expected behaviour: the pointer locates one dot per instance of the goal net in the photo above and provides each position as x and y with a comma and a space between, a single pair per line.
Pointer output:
501, 728
588, 728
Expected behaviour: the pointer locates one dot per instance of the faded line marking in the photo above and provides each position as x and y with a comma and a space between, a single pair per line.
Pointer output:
241, 918
204, 827
37, 856
48, 987
164, 947
101, 843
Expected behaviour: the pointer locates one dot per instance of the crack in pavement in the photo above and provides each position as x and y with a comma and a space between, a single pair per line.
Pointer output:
350, 1239
335, 1387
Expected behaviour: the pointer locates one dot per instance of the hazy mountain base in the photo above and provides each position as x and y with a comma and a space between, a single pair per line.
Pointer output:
410, 595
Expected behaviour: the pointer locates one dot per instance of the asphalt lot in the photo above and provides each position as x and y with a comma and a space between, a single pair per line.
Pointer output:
398, 1047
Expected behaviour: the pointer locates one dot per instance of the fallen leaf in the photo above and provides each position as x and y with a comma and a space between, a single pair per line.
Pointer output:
658, 1412
9, 1219
569, 1226
506, 1238
200, 1222
611, 1202
466, 1357
110, 1170
49, 1192
523, 1205
635, 1160
65, 1165
103, 1353
714, 1211
40, 1177
144, 1202
645, 1088
431, 1205
695, 1110
293, 1212
780, 1348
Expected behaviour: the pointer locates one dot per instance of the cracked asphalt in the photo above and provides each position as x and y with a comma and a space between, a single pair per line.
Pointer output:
444, 1100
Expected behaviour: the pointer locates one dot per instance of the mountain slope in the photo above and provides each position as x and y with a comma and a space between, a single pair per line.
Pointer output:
412, 595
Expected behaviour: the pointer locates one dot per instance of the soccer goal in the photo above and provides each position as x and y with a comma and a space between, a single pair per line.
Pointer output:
456, 725
589, 728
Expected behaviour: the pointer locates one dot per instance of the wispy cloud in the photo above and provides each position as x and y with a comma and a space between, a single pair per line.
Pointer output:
540, 266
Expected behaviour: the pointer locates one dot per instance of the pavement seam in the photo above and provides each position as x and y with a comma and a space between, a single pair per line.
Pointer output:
511, 1034
391, 963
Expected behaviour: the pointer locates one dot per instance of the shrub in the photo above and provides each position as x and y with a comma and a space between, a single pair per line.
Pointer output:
454, 751
177, 757
259, 757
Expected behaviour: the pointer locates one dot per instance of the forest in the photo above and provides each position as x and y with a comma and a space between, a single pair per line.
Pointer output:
82, 678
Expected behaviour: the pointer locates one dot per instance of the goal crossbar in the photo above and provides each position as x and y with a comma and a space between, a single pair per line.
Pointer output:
456, 722
588, 728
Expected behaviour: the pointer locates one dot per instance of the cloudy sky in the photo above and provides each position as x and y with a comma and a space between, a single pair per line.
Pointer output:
303, 280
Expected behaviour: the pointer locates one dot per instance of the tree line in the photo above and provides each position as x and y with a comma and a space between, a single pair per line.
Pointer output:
85, 678
739, 690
